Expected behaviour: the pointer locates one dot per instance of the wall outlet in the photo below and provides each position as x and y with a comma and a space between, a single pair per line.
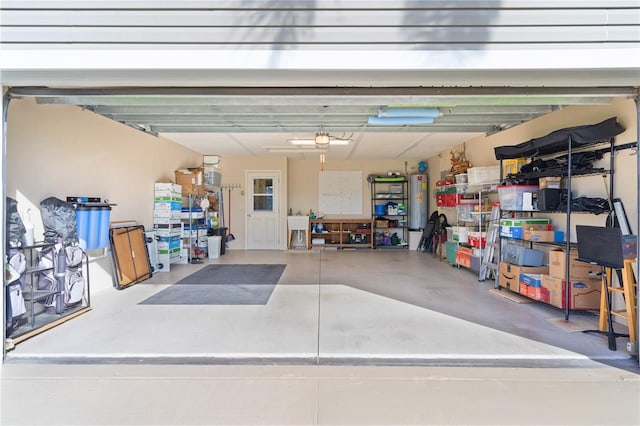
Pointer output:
632, 348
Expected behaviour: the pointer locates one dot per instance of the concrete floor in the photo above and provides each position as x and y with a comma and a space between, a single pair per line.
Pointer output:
353, 337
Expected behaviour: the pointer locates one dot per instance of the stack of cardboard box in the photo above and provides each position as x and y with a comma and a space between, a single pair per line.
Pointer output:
548, 284
585, 282
167, 224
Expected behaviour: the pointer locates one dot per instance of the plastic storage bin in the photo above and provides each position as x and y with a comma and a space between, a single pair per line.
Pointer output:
512, 196
478, 175
522, 256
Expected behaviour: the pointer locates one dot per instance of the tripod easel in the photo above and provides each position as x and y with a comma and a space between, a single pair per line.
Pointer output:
629, 290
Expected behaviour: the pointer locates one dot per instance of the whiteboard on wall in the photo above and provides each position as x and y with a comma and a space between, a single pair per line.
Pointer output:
340, 193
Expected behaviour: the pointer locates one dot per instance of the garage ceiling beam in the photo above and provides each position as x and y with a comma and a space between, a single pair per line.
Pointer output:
354, 96
326, 91
264, 118
413, 100
307, 129
305, 110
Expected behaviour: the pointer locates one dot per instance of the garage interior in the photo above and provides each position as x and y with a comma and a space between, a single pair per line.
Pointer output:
399, 315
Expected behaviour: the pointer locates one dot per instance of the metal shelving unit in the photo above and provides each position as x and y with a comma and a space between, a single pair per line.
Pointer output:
390, 191
46, 307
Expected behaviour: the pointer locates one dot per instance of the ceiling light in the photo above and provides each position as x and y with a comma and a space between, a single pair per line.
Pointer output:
322, 139
399, 121
408, 112
315, 142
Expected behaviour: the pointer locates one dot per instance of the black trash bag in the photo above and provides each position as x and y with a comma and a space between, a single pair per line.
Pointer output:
14, 226
592, 205
59, 220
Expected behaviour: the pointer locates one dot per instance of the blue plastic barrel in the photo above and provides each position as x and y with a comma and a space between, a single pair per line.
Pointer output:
103, 232
82, 225
94, 227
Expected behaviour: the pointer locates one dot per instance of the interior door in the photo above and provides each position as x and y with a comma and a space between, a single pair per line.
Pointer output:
263, 212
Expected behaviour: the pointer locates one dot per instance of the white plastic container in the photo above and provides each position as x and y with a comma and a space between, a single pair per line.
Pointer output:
213, 246
479, 175
462, 178
463, 234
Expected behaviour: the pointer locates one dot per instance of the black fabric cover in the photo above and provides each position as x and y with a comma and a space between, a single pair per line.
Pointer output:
59, 219
13, 227
558, 141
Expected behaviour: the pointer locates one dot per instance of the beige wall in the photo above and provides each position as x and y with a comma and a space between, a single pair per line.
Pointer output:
299, 186
303, 184
480, 153
58, 150
234, 172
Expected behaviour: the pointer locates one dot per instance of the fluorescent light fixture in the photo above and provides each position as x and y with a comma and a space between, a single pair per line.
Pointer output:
399, 121
313, 142
302, 141
408, 112
287, 149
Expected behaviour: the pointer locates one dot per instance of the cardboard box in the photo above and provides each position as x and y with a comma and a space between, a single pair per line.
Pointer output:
531, 280
517, 231
167, 186
549, 182
512, 166
535, 293
190, 176
531, 285
526, 221
463, 256
188, 189
578, 270
167, 205
543, 236
511, 231
584, 294
510, 274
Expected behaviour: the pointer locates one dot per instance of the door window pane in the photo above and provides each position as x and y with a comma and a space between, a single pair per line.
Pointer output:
263, 194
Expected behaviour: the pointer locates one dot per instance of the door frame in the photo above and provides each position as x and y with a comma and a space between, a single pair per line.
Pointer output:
277, 175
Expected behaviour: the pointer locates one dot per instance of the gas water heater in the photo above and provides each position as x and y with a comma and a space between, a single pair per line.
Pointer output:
418, 201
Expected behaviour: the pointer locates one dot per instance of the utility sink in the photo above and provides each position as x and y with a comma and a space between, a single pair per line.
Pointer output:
298, 223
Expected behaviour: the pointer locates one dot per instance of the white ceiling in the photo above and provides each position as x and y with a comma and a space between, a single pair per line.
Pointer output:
363, 146
243, 121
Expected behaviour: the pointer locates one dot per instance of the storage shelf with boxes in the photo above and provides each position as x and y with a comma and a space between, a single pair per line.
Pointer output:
553, 162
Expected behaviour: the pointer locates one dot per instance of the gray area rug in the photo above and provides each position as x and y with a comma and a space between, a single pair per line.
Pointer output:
222, 285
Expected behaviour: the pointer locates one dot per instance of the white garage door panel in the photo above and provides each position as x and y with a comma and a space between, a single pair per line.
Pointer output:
429, 36
344, 18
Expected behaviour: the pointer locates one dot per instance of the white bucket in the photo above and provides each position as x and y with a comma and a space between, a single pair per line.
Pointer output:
213, 246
